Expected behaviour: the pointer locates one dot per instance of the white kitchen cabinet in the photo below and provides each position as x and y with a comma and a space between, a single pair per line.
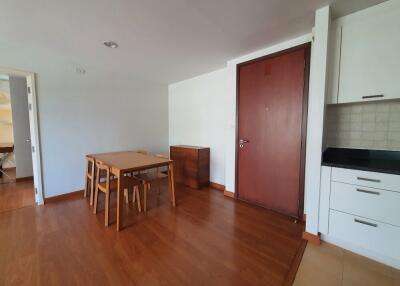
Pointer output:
364, 56
359, 211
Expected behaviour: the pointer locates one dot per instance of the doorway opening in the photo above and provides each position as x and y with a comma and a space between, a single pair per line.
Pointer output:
20, 170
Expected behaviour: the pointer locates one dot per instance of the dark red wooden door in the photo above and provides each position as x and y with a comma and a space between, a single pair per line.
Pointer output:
270, 114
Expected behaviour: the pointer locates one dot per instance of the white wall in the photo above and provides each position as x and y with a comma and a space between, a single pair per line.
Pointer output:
197, 116
80, 114
21, 130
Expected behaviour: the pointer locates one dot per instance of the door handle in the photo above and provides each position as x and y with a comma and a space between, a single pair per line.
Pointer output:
365, 222
373, 96
368, 180
368, 192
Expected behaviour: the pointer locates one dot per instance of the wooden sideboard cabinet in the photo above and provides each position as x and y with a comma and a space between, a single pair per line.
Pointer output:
191, 165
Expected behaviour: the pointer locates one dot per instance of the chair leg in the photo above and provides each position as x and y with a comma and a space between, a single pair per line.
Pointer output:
169, 186
92, 186
145, 197
86, 187
136, 192
106, 221
159, 186
96, 197
126, 195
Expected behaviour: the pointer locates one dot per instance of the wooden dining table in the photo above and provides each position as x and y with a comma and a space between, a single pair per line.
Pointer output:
125, 162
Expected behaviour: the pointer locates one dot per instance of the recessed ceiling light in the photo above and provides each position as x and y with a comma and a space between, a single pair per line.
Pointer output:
111, 44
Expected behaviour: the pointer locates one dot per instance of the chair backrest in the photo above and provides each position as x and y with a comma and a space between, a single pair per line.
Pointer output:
90, 166
103, 172
164, 156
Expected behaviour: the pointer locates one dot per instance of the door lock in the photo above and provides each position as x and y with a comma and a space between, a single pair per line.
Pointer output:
242, 142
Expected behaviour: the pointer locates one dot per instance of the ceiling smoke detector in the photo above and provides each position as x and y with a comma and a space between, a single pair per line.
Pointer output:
111, 44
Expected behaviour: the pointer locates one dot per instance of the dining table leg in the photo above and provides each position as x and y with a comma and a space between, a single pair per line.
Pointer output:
119, 201
172, 182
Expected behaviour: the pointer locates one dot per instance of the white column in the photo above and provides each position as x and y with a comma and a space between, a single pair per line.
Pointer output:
316, 106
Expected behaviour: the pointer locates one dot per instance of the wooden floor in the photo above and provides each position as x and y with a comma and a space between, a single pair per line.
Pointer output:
208, 239
15, 195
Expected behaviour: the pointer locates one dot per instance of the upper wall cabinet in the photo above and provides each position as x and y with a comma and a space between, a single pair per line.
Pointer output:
365, 55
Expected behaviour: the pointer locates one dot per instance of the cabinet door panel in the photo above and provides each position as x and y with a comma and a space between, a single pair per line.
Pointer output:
376, 204
381, 238
370, 59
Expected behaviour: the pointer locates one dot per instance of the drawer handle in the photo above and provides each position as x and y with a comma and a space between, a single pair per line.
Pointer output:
368, 179
365, 222
373, 96
368, 192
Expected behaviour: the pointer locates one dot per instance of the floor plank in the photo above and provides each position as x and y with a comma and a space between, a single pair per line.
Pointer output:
15, 195
208, 239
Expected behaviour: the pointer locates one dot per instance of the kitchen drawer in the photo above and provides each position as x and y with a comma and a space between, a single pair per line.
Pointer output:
367, 179
376, 204
372, 235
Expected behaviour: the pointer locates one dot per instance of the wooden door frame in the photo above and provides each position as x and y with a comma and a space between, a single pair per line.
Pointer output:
307, 48
34, 132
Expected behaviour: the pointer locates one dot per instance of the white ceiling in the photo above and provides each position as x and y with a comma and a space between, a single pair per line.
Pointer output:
160, 40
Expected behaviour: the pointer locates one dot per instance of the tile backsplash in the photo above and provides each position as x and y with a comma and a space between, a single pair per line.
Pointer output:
366, 125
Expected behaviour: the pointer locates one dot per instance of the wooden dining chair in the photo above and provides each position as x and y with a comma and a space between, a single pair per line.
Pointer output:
136, 195
90, 178
155, 175
134, 185
144, 152
106, 184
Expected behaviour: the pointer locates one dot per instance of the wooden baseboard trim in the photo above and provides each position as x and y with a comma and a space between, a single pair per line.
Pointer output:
315, 239
64, 197
229, 194
217, 186
23, 179
294, 267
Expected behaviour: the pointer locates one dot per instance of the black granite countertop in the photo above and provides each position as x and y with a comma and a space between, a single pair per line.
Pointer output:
366, 160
